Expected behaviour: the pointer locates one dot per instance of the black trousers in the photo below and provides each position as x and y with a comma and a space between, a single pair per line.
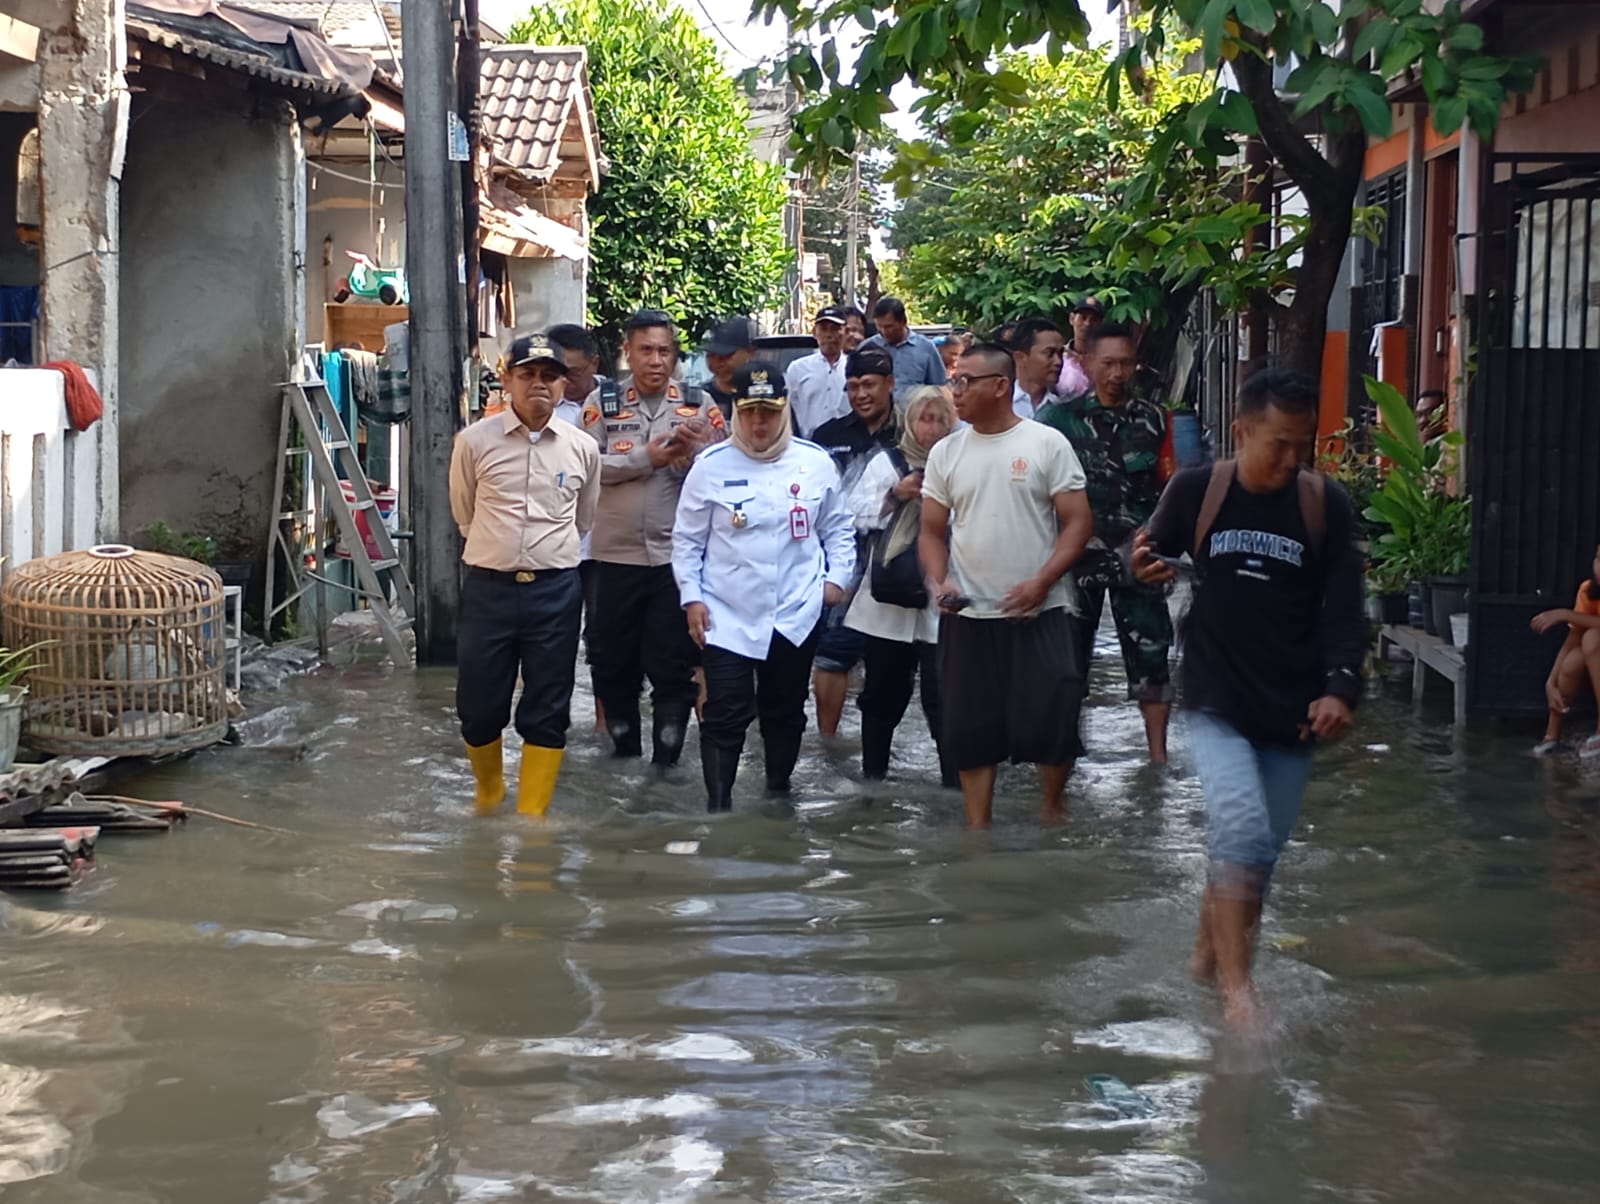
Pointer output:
506, 628
774, 690
892, 668
1013, 689
587, 577
638, 631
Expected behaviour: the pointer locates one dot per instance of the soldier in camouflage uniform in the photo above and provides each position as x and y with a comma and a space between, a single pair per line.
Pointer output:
1118, 436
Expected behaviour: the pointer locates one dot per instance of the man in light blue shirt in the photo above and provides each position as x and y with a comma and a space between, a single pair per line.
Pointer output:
916, 360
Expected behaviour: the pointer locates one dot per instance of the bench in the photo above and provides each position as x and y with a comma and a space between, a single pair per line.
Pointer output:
1429, 652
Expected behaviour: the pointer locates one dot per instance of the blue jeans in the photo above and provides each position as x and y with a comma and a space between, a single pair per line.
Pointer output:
1253, 794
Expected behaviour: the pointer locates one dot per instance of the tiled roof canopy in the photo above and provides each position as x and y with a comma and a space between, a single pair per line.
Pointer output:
537, 113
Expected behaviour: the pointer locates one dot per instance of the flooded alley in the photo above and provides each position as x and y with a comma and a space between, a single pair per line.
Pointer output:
849, 1000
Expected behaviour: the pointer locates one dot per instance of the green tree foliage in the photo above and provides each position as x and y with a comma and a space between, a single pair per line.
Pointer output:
1020, 212
1337, 58
686, 218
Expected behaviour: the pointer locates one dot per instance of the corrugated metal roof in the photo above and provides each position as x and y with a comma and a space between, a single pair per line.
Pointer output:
530, 96
260, 66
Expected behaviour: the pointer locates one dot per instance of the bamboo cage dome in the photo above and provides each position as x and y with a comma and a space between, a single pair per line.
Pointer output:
132, 652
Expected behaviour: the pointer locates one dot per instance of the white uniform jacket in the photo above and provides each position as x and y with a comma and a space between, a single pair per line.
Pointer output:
867, 615
740, 546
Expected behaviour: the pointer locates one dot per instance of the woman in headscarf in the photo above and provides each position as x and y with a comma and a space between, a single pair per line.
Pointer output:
763, 537
892, 607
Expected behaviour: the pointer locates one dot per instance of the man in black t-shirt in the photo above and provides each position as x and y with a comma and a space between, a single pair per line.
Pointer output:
1273, 646
852, 441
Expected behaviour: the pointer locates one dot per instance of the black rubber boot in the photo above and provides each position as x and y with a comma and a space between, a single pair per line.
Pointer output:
624, 732
720, 766
876, 736
669, 726
782, 751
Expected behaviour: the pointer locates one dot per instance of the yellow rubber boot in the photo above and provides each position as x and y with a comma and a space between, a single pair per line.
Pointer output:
489, 771
537, 782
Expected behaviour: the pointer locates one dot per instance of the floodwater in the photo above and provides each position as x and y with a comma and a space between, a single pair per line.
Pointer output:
852, 1000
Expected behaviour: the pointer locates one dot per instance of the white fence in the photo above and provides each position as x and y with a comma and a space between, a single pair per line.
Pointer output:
49, 473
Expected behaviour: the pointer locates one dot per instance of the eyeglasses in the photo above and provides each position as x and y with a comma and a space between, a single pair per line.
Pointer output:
958, 384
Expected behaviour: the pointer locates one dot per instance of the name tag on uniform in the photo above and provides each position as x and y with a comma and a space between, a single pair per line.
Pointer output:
799, 518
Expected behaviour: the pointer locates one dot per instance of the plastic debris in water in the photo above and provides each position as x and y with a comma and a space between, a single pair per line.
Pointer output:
1118, 1096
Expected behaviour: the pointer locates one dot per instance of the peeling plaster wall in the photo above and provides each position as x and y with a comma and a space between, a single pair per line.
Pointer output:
208, 305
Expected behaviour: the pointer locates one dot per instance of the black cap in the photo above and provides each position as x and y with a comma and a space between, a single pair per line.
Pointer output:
534, 349
1089, 304
733, 335
869, 361
759, 383
832, 313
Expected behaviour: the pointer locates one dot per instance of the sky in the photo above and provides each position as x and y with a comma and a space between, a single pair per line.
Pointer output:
744, 43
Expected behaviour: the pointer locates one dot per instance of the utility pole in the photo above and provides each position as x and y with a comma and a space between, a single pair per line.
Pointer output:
468, 69
1258, 190
438, 322
852, 229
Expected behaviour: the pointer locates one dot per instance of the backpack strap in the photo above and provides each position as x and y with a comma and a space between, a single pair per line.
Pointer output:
898, 459
1314, 508
1211, 504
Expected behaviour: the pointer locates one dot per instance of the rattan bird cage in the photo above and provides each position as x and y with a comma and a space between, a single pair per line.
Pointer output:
131, 652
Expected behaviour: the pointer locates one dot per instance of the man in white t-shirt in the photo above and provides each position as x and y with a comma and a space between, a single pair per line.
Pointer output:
1004, 517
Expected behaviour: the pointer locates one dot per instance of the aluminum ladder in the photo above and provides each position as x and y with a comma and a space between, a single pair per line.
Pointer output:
310, 427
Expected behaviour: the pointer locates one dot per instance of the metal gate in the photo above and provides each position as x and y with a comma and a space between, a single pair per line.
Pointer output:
1533, 423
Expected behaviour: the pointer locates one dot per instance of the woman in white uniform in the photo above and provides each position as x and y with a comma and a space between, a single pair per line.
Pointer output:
764, 537
892, 608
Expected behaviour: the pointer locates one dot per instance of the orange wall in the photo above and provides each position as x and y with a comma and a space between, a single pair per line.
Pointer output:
1335, 379
1387, 155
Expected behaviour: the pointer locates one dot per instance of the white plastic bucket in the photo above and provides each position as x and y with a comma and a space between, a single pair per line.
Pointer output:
1459, 630
388, 503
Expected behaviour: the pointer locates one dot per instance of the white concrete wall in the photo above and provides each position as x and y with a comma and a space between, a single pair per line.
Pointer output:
209, 294
48, 471
548, 292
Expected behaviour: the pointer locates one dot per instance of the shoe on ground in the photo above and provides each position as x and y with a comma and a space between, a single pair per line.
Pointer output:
1547, 748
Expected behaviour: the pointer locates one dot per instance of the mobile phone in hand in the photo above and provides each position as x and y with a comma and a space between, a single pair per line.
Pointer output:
1184, 568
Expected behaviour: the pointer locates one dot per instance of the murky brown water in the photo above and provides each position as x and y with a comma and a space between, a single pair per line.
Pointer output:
852, 1002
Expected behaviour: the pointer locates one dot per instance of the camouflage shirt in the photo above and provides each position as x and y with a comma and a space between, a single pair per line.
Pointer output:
1120, 448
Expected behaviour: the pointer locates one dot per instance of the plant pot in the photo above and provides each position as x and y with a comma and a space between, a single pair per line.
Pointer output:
1394, 609
1460, 625
1448, 596
10, 724
1418, 606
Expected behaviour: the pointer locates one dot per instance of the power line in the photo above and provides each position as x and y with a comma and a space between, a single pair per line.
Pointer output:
712, 21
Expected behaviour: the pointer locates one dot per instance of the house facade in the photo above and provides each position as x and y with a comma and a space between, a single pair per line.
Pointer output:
1482, 290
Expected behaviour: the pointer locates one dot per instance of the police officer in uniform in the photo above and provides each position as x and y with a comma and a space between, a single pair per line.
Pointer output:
649, 430
764, 537
523, 490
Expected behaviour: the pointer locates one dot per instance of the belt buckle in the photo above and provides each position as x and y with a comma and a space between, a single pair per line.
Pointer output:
526, 578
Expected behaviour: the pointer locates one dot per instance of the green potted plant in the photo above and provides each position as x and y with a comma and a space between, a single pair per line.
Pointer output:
14, 665
1424, 528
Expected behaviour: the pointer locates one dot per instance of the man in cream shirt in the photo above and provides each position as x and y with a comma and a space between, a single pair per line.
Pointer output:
523, 490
